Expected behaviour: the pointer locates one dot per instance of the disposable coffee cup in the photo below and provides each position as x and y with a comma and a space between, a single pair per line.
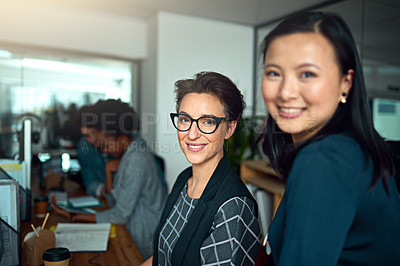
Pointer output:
56, 257
41, 206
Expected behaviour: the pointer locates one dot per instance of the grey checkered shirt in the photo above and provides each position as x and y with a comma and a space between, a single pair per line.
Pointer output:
234, 235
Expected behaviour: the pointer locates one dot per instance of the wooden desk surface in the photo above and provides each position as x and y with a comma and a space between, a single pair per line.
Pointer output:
121, 249
263, 166
261, 174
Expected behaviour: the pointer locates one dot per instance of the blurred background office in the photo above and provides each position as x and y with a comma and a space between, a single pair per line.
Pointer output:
57, 56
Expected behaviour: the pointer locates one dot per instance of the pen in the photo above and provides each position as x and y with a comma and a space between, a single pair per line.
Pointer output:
45, 221
34, 229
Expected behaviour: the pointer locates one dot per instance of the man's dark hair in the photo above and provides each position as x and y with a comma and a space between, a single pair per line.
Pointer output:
81, 118
115, 117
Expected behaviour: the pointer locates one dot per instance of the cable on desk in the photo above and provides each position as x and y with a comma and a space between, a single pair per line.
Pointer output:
94, 263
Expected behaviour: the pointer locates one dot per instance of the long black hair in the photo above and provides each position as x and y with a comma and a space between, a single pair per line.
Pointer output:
353, 118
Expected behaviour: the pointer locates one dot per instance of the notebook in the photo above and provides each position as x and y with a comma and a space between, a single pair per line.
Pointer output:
85, 201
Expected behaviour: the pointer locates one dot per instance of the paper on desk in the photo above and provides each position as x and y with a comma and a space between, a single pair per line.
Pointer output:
16, 169
83, 236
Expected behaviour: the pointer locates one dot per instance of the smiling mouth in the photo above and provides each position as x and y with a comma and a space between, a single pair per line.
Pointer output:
196, 147
290, 112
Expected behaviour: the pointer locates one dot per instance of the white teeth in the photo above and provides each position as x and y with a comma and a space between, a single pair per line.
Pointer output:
291, 110
196, 146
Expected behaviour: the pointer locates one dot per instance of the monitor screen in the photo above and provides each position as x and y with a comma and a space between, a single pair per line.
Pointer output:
386, 117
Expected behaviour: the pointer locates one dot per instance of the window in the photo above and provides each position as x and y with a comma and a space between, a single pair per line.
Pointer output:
54, 86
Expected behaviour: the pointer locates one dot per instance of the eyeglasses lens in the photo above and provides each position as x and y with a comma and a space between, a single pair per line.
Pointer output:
205, 124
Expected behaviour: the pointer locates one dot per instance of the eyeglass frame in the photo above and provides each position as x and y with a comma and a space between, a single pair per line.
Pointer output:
218, 119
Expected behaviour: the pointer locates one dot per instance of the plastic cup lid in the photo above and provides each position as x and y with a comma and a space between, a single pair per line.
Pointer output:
56, 254
41, 198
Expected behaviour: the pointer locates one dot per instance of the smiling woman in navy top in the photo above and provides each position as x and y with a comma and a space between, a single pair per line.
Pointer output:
341, 205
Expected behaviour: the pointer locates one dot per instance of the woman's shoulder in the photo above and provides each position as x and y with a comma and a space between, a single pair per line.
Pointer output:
338, 157
341, 146
236, 205
334, 140
238, 212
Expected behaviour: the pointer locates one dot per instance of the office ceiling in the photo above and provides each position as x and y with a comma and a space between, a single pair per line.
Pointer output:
381, 16
379, 28
249, 12
246, 12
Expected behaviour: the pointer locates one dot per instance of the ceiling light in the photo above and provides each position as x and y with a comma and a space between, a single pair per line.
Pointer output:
5, 54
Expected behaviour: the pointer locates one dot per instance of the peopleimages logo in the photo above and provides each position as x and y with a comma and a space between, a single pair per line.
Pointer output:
150, 123
129, 122
107, 122
158, 146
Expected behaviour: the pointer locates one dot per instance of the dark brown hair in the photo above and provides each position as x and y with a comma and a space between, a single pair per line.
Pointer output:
215, 84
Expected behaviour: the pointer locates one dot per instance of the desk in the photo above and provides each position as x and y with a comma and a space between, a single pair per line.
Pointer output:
121, 250
261, 174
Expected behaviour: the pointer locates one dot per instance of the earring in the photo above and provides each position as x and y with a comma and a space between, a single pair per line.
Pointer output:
344, 98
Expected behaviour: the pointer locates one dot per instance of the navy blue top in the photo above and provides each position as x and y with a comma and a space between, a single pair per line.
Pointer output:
329, 216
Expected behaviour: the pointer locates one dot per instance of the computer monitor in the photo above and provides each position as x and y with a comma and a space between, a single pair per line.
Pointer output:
4, 175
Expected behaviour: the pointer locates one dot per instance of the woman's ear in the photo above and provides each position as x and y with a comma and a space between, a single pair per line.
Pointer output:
231, 129
347, 82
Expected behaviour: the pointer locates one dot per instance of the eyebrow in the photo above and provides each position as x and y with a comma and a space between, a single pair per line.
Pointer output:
271, 65
308, 65
208, 115
297, 67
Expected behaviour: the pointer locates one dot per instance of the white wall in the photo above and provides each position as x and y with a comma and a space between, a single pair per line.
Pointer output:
187, 45
25, 23
148, 84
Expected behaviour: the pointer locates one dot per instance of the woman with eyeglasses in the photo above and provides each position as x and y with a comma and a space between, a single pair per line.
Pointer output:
210, 216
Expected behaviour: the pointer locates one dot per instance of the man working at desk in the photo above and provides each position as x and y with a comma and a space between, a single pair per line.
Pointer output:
137, 197
90, 157
97, 167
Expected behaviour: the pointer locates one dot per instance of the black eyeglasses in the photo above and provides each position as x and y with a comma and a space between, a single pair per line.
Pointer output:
206, 124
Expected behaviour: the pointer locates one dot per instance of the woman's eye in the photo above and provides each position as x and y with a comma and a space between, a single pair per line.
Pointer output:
271, 73
209, 121
183, 119
307, 75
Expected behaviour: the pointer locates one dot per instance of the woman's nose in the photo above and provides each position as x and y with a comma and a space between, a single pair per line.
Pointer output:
288, 89
194, 131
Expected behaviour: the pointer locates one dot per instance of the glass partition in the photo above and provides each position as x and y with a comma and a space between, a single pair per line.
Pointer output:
53, 86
